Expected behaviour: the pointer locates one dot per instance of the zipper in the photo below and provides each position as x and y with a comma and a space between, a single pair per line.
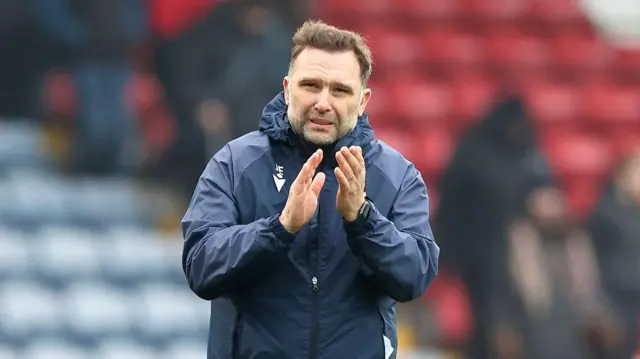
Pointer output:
315, 249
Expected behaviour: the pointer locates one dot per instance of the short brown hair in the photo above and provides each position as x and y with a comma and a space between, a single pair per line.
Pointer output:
318, 35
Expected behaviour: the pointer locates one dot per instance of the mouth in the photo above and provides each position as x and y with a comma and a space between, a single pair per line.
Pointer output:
320, 122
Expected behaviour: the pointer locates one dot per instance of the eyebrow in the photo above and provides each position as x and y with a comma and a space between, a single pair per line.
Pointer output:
333, 83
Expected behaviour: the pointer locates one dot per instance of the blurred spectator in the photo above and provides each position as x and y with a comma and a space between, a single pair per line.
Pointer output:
615, 228
480, 189
98, 36
21, 60
215, 82
551, 305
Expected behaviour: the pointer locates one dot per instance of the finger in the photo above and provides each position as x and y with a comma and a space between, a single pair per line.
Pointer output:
298, 184
318, 182
314, 162
315, 159
357, 152
353, 162
344, 166
306, 173
342, 179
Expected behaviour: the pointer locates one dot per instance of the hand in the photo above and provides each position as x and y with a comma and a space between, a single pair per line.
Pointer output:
351, 175
303, 195
508, 344
605, 330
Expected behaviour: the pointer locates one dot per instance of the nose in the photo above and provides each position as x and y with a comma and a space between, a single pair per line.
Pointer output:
322, 104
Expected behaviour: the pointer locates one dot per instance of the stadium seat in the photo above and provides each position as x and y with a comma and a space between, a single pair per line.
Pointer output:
579, 155
420, 103
124, 349
379, 108
494, 10
627, 61
357, 14
555, 104
613, 105
185, 349
96, 309
624, 142
515, 50
473, 94
432, 151
67, 253
165, 311
125, 259
14, 254
55, 348
428, 12
447, 46
27, 309
394, 50
400, 140
574, 51
556, 11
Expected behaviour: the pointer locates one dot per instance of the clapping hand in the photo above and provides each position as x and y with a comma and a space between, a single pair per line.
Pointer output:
351, 175
303, 195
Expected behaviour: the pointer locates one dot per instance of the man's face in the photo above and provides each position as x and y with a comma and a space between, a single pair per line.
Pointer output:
325, 95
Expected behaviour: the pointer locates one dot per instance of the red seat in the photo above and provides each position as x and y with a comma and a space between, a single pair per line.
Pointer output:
420, 102
579, 51
579, 155
612, 104
429, 10
625, 142
398, 139
556, 11
472, 95
394, 50
344, 8
494, 9
379, 109
627, 61
450, 46
433, 150
513, 49
553, 103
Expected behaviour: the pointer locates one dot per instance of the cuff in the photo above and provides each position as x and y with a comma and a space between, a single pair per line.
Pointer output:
278, 230
356, 229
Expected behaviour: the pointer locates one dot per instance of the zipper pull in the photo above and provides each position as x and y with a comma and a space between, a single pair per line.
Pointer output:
314, 282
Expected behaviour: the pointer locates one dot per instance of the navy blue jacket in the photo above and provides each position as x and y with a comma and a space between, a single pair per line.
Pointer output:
329, 290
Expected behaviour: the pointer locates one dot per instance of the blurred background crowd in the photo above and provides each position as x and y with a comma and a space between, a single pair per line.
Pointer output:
522, 115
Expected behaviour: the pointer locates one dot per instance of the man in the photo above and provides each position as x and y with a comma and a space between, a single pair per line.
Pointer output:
281, 225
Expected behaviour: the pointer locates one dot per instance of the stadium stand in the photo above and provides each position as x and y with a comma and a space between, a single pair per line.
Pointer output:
83, 274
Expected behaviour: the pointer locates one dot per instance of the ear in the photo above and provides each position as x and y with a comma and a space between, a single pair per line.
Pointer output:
285, 86
365, 96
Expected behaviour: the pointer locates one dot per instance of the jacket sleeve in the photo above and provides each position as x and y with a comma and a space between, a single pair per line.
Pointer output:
220, 255
399, 253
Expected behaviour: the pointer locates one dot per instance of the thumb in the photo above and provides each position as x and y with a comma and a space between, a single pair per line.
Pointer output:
318, 182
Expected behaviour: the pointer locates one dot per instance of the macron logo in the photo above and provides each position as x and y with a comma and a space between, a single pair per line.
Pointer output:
278, 177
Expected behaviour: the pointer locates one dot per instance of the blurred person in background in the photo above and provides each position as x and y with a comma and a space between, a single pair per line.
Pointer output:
219, 68
480, 189
280, 222
21, 46
615, 228
552, 304
99, 37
